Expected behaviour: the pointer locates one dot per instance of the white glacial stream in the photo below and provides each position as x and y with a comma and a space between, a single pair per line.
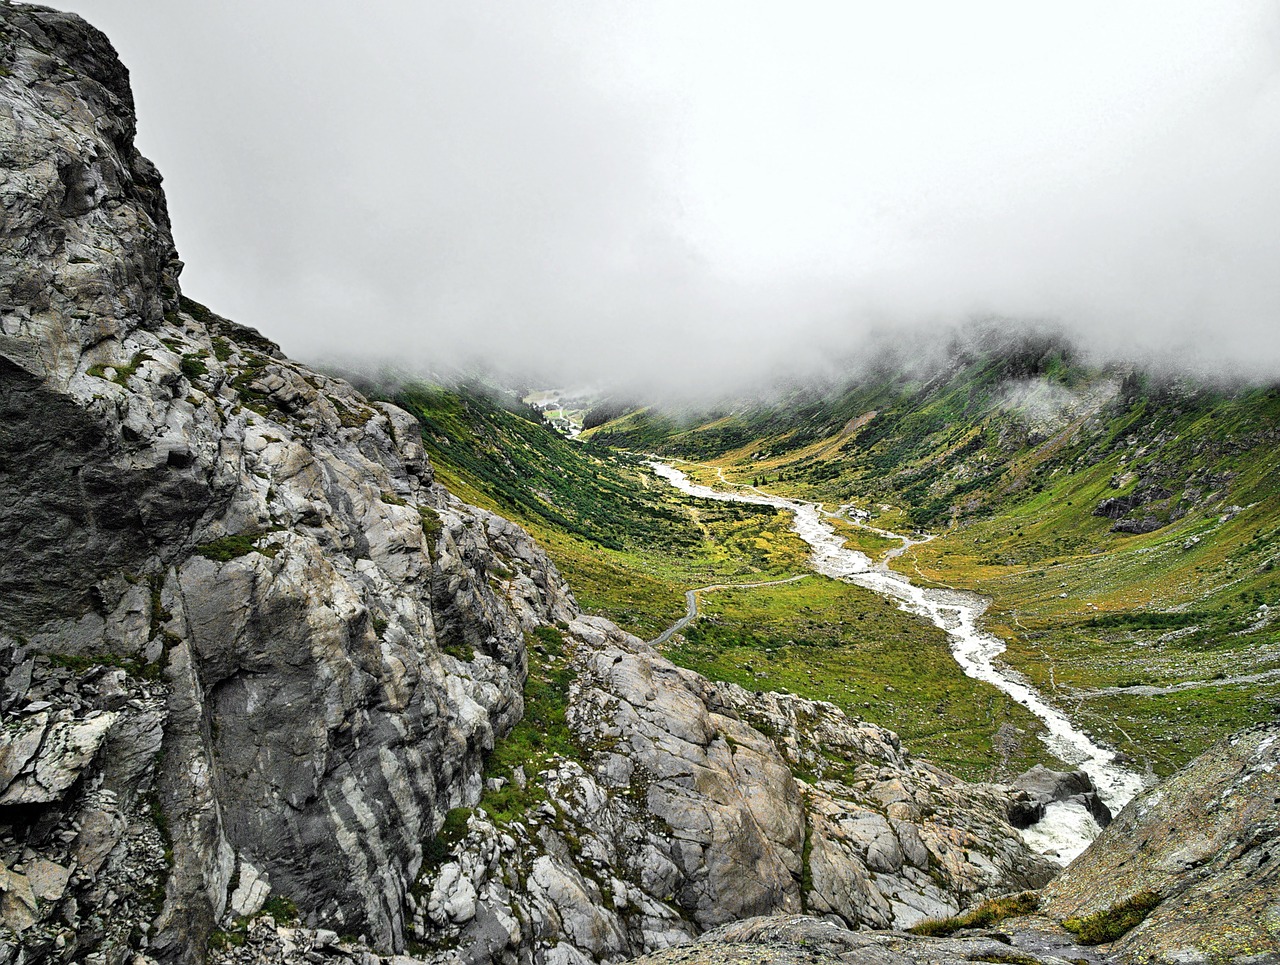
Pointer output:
1066, 829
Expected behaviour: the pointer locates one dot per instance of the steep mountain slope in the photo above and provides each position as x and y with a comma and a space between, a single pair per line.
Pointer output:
262, 553
255, 660
1126, 526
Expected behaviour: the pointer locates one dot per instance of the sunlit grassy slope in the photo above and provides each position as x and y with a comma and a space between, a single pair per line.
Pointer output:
630, 546
1126, 527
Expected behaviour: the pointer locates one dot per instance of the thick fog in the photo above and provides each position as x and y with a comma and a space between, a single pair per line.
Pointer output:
687, 194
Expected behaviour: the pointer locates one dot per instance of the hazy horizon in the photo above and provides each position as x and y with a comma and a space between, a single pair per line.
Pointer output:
703, 195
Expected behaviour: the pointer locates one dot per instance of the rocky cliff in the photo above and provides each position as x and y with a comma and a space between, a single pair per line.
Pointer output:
249, 646
1184, 875
1191, 865
254, 658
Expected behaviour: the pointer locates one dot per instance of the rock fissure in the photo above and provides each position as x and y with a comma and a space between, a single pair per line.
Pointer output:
258, 665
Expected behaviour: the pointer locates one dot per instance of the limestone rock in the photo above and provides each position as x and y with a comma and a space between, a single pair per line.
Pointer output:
61, 752
82, 862
251, 891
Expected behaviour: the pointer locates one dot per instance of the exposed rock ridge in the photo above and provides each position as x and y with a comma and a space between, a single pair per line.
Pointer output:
799, 940
1204, 848
684, 811
328, 642
253, 655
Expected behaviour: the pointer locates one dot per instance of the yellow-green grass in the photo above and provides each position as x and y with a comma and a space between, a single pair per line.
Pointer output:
642, 589
828, 640
864, 540
643, 592
1053, 569
819, 638
1011, 493
1082, 609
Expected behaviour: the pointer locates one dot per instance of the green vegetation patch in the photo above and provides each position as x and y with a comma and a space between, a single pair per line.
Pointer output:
233, 547
1005, 958
990, 912
80, 663
193, 365
542, 734
436, 851
121, 374
626, 541
1126, 526
828, 640
1114, 922
281, 909
630, 546
252, 398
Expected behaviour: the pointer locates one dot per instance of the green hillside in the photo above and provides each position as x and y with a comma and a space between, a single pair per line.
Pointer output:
630, 546
1126, 526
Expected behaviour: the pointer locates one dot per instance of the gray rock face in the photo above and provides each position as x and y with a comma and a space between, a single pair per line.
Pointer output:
85, 261
337, 641
797, 940
1204, 845
681, 815
1045, 787
79, 850
251, 654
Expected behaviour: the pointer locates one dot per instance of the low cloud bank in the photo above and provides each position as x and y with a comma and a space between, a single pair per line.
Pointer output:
692, 198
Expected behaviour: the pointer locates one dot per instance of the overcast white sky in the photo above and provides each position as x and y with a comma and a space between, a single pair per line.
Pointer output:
676, 190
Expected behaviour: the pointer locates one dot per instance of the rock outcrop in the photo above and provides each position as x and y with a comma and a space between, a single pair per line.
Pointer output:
683, 810
1196, 858
1044, 787
254, 658
313, 645
799, 940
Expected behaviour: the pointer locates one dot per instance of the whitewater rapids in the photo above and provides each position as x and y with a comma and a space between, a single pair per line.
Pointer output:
1066, 829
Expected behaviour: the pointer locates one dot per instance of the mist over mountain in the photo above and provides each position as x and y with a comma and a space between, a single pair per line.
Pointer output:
293, 673
699, 198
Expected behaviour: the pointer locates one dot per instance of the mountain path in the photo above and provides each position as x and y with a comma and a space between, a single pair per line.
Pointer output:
691, 603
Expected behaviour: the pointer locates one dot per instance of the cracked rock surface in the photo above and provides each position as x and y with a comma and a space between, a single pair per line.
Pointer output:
686, 809
253, 660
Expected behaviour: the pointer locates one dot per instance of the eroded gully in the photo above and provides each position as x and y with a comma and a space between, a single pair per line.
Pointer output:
1066, 829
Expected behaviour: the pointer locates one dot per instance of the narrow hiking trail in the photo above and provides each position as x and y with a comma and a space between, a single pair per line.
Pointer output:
691, 603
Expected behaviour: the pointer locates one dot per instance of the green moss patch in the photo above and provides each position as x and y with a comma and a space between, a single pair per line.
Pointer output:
985, 915
233, 547
1114, 922
542, 733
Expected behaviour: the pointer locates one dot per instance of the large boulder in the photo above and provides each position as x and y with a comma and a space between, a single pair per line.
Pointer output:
1044, 786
